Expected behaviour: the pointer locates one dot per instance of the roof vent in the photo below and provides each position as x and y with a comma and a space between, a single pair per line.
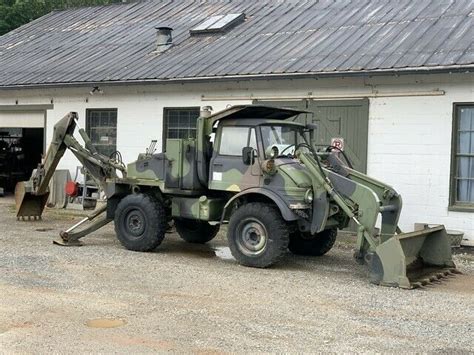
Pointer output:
164, 38
219, 23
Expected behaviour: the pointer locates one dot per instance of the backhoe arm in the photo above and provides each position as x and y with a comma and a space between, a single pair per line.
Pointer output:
31, 196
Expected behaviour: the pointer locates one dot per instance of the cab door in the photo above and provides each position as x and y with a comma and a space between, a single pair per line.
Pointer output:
228, 171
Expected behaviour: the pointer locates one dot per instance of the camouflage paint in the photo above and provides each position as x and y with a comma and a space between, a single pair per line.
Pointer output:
202, 208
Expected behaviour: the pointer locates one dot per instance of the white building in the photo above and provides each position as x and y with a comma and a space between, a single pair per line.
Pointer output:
394, 81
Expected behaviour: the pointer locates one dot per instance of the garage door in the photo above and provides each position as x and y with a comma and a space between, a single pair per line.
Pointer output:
22, 119
348, 119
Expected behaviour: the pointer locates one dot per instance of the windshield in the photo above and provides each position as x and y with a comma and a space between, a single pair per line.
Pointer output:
282, 140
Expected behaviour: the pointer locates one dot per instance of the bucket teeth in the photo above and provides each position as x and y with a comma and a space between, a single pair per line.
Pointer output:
435, 278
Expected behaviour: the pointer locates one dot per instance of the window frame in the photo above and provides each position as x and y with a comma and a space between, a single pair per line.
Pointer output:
87, 128
165, 121
453, 204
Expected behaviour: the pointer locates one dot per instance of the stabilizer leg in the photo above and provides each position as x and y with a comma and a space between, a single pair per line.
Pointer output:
71, 238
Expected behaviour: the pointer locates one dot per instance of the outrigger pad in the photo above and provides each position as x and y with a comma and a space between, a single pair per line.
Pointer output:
74, 243
413, 259
27, 204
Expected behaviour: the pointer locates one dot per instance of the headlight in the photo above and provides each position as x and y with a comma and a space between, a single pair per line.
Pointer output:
268, 166
308, 196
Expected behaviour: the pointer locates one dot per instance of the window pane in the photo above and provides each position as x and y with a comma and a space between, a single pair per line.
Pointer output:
464, 142
465, 119
463, 167
463, 193
233, 139
471, 169
172, 133
173, 122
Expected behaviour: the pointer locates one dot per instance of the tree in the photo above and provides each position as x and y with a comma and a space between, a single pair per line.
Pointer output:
14, 13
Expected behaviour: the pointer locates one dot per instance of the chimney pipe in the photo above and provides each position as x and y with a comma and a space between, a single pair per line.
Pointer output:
164, 38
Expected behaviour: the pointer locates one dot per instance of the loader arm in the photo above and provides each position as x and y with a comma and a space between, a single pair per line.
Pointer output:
405, 260
31, 196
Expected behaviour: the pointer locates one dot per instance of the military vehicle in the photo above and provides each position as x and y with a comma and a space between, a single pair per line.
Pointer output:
257, 170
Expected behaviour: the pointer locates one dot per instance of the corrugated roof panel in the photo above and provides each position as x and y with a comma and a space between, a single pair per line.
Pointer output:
117, 42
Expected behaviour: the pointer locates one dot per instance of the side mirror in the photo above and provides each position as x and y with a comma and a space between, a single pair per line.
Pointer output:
248, 155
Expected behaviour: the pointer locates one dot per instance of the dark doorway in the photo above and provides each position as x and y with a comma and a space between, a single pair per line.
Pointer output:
20, 152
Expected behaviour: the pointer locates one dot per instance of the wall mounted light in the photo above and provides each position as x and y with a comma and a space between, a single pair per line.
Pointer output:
96, 90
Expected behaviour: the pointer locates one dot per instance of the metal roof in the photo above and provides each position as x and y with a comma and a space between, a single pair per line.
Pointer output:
117, 43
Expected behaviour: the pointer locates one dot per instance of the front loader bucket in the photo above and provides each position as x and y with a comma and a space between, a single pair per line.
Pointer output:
27, 204
413, 259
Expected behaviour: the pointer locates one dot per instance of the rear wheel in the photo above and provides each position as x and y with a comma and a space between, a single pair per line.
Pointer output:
314, 245
195, 231
257, 235
140, 222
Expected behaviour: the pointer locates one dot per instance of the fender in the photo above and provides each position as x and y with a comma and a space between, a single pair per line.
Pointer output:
285, 211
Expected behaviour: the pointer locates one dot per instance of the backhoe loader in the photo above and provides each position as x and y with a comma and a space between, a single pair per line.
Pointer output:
257, 170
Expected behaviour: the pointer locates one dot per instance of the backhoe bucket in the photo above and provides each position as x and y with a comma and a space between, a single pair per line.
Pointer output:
28, 204
413, 259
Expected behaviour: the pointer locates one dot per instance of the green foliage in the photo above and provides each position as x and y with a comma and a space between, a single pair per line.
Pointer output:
14, 13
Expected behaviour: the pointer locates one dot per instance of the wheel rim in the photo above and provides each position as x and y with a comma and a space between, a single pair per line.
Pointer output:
135, 223
252, 237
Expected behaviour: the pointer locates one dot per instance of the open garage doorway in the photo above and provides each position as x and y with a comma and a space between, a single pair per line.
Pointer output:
20, 152
22, 142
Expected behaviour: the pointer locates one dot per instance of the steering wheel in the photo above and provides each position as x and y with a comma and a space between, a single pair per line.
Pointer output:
297, 146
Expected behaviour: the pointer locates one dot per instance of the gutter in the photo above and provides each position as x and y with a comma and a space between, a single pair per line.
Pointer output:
248, 77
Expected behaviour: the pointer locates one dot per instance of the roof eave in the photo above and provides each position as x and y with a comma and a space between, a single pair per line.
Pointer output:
376, 72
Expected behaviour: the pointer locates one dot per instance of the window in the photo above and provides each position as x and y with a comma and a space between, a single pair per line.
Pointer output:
180, 123
233, 139
462, 170
101, 126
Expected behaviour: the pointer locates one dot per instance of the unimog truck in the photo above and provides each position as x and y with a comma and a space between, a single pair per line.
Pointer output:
257, 170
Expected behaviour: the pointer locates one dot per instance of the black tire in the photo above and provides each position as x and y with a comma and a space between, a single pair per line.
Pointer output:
140, 222
257, 235
195, 231
317, 245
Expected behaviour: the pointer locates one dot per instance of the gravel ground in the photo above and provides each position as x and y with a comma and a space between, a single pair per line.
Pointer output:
184, 298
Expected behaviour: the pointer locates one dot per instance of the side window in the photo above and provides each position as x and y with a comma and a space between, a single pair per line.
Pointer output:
101, 127
462, 173
233, 139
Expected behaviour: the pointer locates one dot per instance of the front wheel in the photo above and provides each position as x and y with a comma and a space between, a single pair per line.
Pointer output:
313, 245
195, 231
257, 235
140, 222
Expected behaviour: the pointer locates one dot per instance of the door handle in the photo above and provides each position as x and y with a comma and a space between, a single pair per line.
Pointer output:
217, 164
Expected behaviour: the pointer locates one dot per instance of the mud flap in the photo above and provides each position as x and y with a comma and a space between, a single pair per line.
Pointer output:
413, 259
27, 204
